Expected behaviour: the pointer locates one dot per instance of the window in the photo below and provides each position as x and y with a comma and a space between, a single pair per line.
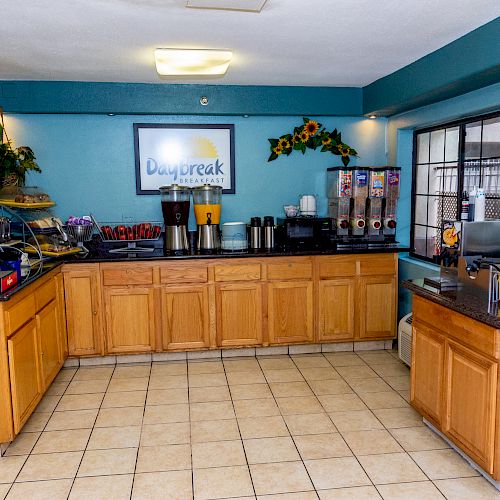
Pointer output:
448, 160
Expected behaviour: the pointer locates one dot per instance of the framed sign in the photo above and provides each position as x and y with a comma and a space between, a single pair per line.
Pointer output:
188, 155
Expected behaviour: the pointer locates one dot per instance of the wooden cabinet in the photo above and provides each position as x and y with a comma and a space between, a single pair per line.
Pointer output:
185, 317
336, 309
130, 319
82, 288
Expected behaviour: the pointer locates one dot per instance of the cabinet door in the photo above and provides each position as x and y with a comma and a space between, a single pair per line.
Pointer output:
290, 310
47, 321
336, 309
376, 307
427, 372
239, 314
25, 375
83, 312
185, 317
130, 319
471, 387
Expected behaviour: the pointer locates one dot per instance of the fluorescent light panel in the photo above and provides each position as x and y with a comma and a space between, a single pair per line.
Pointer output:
247, 5
185, 62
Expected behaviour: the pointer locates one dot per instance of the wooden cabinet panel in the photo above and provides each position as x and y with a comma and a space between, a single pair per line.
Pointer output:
291, 269
376, 265
25, 376
336, 309
336, 267
239, 314
290, 311
83, 312
183, 274
427, 377
61, 309
185, 317
471, 397
240, 272
376, 307
130, 319
45, 294
124, 275
19, 314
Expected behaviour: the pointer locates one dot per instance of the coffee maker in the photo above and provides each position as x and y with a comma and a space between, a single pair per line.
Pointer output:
376, 184
391, 191
339, 192
175, 208
207, 208
359, 196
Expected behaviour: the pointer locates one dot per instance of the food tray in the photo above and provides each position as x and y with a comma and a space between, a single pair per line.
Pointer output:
15, 204
50, 253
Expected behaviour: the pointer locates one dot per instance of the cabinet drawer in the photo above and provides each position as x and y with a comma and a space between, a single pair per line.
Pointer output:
240, 272
337, 267
45, 294
20, 313
127, 276
375, 265
183, 274
289, 270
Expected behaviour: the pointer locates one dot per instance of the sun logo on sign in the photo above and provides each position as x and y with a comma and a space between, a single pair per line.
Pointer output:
201, 147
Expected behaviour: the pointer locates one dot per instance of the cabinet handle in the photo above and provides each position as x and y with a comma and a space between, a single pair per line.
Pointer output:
94, 313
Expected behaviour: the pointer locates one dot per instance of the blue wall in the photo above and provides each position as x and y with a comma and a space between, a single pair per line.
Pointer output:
88, 162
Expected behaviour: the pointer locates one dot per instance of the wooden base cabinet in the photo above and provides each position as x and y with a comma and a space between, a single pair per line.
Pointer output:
336, 309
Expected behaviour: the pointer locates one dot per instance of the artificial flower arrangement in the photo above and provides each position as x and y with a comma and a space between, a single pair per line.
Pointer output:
311, 135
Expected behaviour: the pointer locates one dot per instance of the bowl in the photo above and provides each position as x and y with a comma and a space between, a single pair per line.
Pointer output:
291, 210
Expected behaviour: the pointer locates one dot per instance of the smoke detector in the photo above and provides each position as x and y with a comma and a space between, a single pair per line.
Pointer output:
245, 5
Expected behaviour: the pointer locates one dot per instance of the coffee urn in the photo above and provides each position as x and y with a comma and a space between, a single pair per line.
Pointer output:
175, 208
207, 208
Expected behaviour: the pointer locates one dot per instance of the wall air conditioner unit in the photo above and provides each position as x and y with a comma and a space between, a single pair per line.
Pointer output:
404, 338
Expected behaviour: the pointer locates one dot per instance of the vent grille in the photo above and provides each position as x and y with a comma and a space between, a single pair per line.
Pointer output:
405, 338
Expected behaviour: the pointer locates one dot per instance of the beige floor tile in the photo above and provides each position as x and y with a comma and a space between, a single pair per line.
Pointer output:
169, 368
262, 427
244, 378
405, 395
246, 408
336, 473
299, 405
102, 488
58, 441
309, 423
418, 439
396, 418
119, 417
399, 383
316, 446
250, 391
168, 382
222, 482
94, 373
476, 488
202, 395
41, 490
23, 444
286, 477
311, 361
47, 404
423, 490
164, 414
356, 493
36, 422
80, 402
218, 454
322, 387
371, 442
266, 450
341, 402
321, 373
391, 468
362, 386
443, 464
167, 397
50, 466
108, 462
198, 367
10, 467
392, 370
214, 430
383, 400
207, 380
302, 495
73, 419
344, 359
287, 375
276, 363
241, 365
377, 358
124, 399
57, 388
164, 458
171, 485
132, 371
356, 372
87, 386
128, 384
219, 410
114, 437
4, 488
290, 389
159, 434
65, 375
362, 420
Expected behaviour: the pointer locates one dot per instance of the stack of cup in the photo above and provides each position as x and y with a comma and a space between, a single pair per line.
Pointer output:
308, 205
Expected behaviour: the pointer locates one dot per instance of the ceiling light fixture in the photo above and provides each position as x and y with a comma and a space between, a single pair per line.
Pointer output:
372, 117
185, 62
245, 5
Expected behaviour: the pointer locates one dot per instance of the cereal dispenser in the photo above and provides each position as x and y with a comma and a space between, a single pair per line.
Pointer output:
392, 177
359, 196
339, 192
375, 198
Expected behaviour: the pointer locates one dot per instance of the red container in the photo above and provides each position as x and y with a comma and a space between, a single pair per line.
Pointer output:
8, 279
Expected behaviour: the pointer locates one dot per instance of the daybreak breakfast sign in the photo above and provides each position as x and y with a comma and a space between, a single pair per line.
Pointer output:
188, 155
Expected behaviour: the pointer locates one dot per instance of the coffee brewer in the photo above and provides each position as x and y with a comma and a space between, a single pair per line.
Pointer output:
207, 208
339, 192
358, 204
391, 191
175, 208
375, 200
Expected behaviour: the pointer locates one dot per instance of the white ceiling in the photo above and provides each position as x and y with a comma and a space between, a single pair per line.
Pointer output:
290, 42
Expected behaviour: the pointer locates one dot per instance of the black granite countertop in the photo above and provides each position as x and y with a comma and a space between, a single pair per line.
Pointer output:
455, 297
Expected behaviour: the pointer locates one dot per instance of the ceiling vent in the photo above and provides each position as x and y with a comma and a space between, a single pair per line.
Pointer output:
245, 5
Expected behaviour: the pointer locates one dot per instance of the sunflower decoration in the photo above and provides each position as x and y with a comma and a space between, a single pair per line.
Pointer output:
311, 135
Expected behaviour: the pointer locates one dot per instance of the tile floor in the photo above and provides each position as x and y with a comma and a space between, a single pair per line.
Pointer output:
300, 427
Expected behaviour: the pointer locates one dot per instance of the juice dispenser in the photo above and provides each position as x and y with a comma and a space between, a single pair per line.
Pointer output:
392, 177
359, 196
175, 208
339, 192
375, 198
207, 207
